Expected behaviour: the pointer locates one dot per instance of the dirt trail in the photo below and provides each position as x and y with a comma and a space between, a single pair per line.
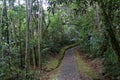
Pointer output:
68, 69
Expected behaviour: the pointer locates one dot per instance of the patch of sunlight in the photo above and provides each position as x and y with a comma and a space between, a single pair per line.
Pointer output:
84, 67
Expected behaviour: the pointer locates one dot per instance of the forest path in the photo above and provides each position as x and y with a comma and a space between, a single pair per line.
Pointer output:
68, 69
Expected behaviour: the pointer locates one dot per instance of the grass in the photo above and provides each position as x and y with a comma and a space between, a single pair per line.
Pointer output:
84, 67
52, 63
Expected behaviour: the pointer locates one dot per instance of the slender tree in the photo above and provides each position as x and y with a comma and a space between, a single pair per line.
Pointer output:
6, 31
97, 18
27, 35
39, 31
19, 26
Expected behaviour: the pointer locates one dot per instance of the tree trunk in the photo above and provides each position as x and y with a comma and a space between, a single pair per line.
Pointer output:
104, 45
6, 32
39, 32
33, 55
111, 33
97, 19
27, 36
39, 36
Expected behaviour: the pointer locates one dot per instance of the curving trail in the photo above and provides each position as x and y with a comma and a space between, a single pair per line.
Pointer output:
68, 69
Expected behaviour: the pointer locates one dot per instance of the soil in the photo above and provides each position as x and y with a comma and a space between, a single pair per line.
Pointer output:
95, 64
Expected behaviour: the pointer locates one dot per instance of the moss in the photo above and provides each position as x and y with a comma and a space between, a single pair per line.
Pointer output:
84, 67
52, 64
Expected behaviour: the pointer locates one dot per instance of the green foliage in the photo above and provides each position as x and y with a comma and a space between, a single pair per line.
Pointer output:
111, 65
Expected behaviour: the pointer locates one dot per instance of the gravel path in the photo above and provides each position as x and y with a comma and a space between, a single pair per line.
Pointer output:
68, 68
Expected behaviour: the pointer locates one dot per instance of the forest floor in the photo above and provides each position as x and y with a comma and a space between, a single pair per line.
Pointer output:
76, 66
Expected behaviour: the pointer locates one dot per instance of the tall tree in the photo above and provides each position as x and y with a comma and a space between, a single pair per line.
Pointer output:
97, 18
39, 31
5, 25
20, 43
108, 21
27, 35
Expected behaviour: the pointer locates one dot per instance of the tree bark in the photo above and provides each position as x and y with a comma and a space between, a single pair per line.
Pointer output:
39, 32
97, 19
110, 31
5, 24
27, 36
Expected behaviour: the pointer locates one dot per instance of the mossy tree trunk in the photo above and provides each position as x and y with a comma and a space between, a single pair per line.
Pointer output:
109, 29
